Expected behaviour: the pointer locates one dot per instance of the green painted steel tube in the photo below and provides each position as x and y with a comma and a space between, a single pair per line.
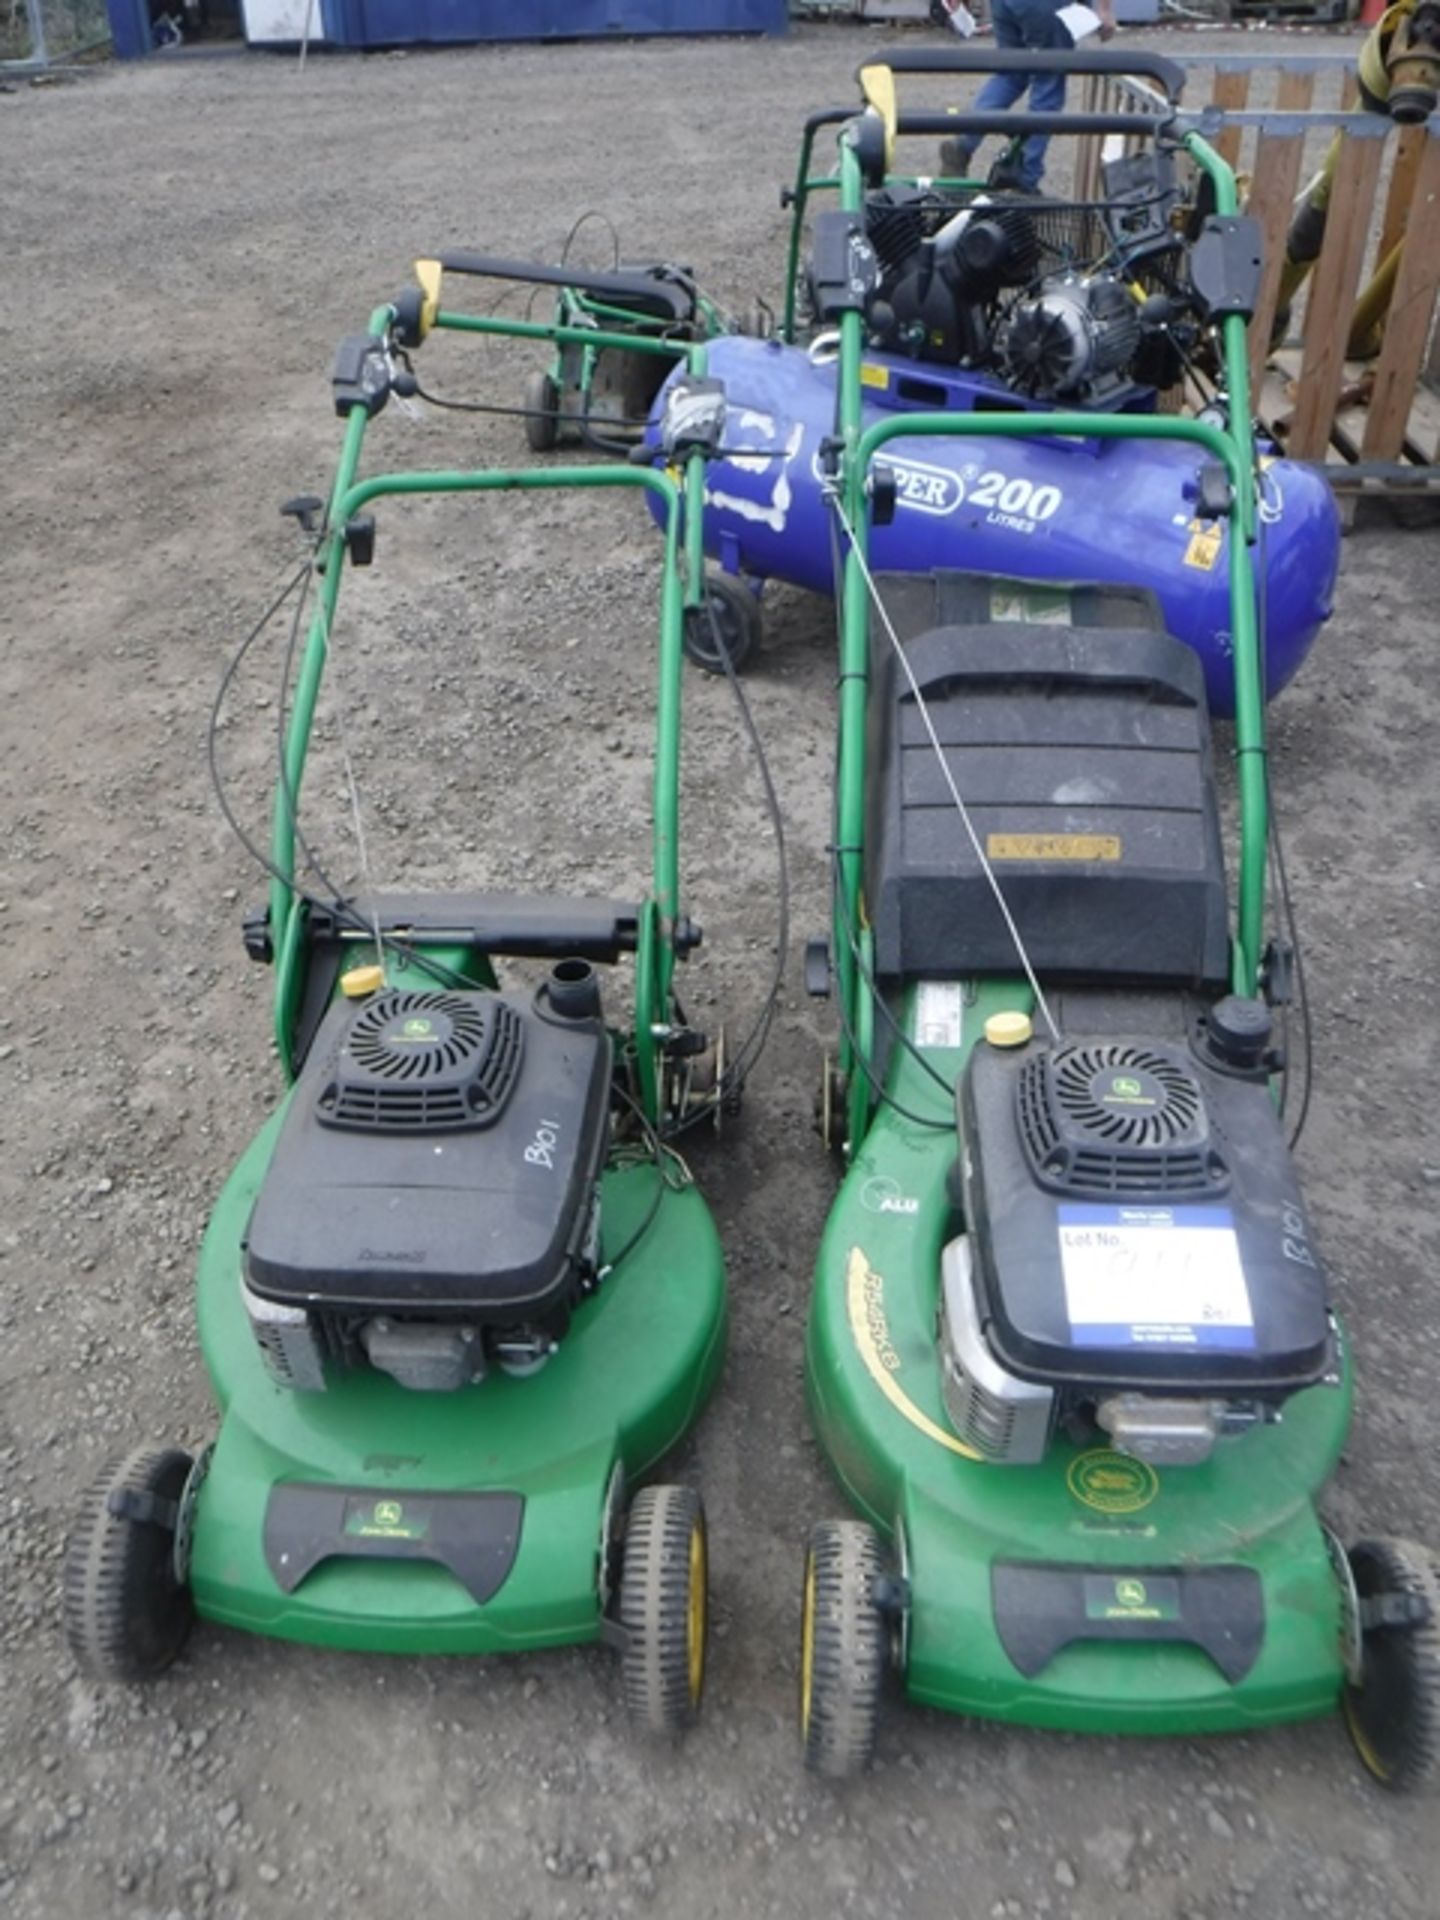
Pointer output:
1249, 678
347, 499
667, 729
801, 194
854, 641
552, 331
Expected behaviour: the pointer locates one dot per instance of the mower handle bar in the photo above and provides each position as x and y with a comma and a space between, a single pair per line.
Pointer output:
937, 121
1010, 122
1151, 66
657, 298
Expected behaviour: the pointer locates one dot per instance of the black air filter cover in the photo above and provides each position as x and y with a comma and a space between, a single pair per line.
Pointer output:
1115, 1117
426, 1061
1137, 1222
411, 1210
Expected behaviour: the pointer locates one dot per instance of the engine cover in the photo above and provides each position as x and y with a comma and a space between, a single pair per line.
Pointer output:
1137, 1224
438, 1159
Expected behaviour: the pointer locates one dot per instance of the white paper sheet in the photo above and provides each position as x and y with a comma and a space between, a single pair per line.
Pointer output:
1079, 21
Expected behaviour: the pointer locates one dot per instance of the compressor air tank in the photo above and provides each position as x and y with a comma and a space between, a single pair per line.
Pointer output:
1121, 512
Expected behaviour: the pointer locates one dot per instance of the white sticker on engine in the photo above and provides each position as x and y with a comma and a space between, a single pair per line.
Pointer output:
1154, 1277
939, 1013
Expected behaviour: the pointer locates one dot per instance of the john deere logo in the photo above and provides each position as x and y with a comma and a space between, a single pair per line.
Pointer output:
417, 1029
1130, 1593
1127, 1088
388, 1513
1111, 1482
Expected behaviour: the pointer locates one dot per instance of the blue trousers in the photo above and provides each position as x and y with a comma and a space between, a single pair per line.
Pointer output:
1031, 24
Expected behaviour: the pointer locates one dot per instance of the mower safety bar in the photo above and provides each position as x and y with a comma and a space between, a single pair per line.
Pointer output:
1010, 122
1122, 66
938, 120
656, 298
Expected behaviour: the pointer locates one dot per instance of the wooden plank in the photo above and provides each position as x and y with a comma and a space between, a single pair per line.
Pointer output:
1232, 92
1087, 147
1402, 188
1332, 294
1272, 201
1411, 312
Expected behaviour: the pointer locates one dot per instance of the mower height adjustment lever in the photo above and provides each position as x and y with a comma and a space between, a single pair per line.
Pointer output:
306, 509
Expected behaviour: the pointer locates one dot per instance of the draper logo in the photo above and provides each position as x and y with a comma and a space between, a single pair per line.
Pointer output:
927, 489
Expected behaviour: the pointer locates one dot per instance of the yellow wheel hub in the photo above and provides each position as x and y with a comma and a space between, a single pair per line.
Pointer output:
807, 1645
695, 1615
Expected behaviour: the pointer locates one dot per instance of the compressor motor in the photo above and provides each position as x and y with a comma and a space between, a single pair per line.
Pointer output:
1076, 304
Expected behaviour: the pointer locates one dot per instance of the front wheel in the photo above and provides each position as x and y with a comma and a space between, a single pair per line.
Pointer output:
1393, 1709
663, 1608
127, 1613
844, 1646
542, 413
727, 626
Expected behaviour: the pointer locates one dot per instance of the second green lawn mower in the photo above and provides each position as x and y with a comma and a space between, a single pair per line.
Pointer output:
460, 1298
1072, 1352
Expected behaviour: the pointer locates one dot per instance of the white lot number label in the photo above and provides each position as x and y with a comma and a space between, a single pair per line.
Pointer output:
1154, 1276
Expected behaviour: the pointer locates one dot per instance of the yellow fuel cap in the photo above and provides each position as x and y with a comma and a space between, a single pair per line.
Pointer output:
1008, 1029
362, 980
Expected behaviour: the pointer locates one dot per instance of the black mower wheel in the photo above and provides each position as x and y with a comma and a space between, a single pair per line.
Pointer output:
126, 1615
542, 413
664, 1607
844, 1648
727, 625
1393, 1712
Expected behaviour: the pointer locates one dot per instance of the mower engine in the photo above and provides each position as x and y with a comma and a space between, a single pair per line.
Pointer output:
1138, 1260
432, 1203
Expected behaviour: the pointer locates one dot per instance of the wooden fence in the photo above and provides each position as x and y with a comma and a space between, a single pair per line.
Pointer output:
1375, 425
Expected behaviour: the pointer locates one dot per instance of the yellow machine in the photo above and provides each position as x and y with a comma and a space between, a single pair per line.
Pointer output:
1399, 69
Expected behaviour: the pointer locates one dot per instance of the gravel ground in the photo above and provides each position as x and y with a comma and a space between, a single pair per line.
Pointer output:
182, 244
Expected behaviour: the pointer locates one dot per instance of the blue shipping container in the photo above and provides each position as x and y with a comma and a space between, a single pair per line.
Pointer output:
401, 23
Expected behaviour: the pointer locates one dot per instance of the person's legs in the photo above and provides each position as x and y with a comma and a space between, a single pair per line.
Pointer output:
998, 95
1040, 31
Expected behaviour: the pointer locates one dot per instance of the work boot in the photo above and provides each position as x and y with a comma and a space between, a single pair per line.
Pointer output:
955, 158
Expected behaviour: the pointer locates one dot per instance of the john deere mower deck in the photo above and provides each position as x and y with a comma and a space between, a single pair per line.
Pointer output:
459, 1298
1071, 1351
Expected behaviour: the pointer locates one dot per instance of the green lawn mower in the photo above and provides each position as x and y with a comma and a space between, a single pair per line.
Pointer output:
599, 388
1072, 1353
459, 1297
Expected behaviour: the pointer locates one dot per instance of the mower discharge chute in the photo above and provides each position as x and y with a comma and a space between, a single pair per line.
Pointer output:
1072, 1352
980, 299
460, 1297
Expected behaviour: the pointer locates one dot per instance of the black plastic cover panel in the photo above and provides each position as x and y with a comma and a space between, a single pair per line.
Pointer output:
475, 1536
1039, 1610
1082, 752
485, 1225
1154, 1286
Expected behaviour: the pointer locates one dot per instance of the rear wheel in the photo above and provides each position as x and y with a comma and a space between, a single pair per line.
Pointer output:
844, 1646
1393, 1709
127, 1614
663, 1608
542, 413
728, 625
